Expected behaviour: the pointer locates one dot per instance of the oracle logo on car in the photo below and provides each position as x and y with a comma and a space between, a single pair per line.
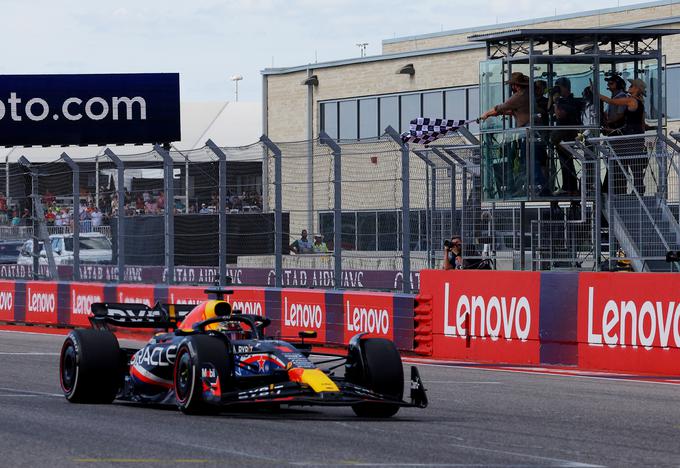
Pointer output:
631, 323
492, 316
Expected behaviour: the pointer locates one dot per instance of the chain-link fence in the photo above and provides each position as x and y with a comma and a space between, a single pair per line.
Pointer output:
322, 213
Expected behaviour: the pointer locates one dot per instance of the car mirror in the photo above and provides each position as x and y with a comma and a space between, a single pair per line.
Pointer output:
307, 334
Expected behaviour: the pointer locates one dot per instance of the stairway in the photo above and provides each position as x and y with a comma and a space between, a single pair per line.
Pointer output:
644, 230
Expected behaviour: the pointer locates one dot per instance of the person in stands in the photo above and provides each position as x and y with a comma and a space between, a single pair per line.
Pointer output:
303, 245
319, 245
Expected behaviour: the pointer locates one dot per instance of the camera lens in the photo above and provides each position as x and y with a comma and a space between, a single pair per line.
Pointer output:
447, 243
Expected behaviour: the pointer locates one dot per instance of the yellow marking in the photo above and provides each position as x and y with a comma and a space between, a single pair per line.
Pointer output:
319, 381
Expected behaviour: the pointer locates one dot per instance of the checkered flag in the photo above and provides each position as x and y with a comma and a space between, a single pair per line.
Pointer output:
424, 130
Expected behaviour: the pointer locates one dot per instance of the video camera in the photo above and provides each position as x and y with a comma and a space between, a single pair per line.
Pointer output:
673, 256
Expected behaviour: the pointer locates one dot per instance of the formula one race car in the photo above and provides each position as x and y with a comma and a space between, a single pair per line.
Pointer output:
212, 357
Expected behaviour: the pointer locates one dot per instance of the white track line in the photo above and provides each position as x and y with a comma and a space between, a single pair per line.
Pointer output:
28, 353
29, 392
556, 373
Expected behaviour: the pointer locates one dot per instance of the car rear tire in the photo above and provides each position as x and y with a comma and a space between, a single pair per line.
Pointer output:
381, 371
90, 366
192, 354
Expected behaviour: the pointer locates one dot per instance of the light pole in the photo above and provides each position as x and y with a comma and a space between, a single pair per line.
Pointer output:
236, 79
362, 46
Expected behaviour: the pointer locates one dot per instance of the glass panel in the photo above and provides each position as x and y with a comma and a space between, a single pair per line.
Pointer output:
387, 231
649, 73
673, 90
348, 120
473, 109
491, 91
570, 86
368, 118
433, 105
330, 119
455, 104
326, 227
389, 113
349, 231
410, 109
504, 169
366, 224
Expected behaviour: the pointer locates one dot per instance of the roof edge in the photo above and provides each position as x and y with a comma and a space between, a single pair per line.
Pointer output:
528, 22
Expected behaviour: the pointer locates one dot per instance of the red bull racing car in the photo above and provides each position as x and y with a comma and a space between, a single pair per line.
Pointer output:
211, 357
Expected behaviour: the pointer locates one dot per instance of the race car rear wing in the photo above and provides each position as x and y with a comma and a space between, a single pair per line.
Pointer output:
131, 315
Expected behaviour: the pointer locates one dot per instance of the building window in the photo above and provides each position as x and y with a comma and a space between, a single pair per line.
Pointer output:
456, 108
433, 105
473, 108
389, 113
368, 118
410, 109
358, 119
329, 115
349, 124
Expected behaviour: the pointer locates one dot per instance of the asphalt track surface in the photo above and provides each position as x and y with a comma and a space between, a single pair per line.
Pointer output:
476, 417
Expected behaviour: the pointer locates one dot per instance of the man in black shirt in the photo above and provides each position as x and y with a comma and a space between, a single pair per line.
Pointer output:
567, 112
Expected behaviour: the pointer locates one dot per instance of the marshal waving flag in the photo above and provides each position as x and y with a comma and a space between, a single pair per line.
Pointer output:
424, 130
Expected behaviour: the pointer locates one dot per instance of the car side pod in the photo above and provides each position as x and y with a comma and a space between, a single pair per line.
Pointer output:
418, 391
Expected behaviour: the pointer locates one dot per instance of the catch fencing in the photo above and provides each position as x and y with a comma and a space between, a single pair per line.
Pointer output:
375, 212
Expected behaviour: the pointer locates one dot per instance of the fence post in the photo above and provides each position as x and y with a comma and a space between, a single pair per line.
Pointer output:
222, 206
429, 227
452, 166
120, 228
168, 218
76, 212
336, 151
278, 210
405, 209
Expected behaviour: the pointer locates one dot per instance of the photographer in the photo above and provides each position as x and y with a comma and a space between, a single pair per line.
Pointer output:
567, 112
453, 250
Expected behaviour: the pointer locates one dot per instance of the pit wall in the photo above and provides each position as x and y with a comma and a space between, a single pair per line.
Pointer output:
335, 315
608, 321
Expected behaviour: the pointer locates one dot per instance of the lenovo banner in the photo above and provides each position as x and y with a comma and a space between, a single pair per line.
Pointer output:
303, 310
82, 296
89, 109
41, 302
368, 313
629, 322
487, 316
7, 300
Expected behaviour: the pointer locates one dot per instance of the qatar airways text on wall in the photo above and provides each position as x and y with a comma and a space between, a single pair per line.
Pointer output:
630, 323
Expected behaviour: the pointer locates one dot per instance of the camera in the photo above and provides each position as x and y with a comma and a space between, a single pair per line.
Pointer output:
555, 90
673, 256
447, 244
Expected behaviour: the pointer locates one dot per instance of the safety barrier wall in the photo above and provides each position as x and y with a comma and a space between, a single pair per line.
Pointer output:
334, 314
610, 321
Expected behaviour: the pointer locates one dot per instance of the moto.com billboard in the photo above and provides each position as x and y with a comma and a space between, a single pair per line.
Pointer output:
89, 109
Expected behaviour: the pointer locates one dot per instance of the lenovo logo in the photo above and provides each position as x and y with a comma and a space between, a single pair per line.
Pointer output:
41, 302
82, 304
302, 315
6, 301
494, 317
624, 323
360, 319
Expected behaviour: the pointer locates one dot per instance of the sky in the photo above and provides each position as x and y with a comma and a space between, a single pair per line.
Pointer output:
209, 41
